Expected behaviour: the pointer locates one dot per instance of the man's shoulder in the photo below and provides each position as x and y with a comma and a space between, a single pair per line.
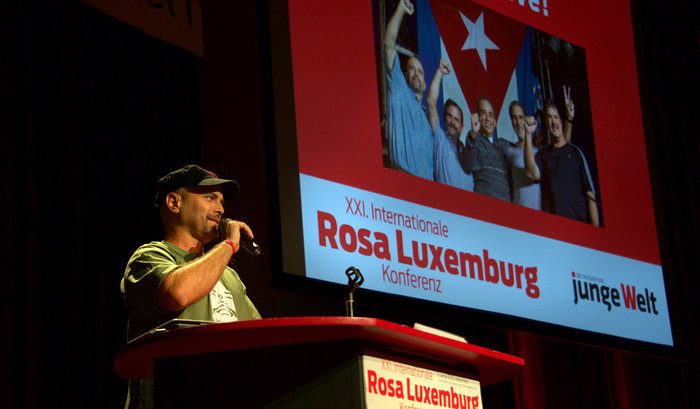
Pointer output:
508, 144
156, 249
439, 134
574, 148
151, 246
443, 142
394, 73
514, 149
567, 149
551, 152
475, 141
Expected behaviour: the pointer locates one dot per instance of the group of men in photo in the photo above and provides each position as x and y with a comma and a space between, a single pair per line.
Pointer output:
552, 176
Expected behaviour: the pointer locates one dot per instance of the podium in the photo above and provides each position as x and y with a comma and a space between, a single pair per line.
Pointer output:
312, 362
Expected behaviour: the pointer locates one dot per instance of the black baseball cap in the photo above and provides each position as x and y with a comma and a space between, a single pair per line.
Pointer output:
193, 175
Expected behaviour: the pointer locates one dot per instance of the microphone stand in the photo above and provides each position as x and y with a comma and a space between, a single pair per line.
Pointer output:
355, 280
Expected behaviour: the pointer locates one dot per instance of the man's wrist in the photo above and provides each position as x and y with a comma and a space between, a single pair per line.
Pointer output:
232, 244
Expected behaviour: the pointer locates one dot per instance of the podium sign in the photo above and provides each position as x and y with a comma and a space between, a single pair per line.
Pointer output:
391, 384
312, 363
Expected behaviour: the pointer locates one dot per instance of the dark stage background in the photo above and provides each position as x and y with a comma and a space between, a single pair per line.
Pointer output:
94, 111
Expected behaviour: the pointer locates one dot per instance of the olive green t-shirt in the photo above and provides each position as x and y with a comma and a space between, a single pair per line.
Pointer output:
147, 267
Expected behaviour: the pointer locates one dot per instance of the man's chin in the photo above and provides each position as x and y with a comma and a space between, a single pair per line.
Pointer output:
210, 235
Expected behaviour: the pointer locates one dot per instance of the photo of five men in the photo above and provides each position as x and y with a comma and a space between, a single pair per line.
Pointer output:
542, 170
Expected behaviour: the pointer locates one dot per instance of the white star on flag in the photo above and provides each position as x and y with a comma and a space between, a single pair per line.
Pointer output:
476, 39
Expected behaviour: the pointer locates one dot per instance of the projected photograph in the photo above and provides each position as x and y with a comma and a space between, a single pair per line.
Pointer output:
373, 142
476, 100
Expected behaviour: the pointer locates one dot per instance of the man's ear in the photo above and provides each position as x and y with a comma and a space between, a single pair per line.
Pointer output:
173, 201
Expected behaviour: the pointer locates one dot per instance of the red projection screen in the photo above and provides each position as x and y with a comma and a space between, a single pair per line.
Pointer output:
352, 165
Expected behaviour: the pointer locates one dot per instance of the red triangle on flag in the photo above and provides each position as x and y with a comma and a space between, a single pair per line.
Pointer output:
496, 37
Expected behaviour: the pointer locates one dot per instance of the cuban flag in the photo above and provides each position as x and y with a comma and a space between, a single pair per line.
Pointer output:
490, 55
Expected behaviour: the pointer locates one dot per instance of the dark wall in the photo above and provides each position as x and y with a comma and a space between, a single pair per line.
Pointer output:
88, 103
668, 51
94, 111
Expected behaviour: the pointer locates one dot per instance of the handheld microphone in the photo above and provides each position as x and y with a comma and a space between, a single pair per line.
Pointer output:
245, 242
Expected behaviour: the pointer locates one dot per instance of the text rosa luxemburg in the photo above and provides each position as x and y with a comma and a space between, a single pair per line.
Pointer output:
395, 388
424, 255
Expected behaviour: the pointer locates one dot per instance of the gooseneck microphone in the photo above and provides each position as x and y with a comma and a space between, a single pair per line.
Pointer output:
246, 242
355, 280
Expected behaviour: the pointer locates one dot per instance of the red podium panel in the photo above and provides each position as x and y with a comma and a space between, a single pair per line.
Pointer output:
135, 360
293, 362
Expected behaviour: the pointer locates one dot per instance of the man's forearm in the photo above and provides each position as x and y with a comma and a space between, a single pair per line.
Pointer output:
531, 169
432, 98
191, 281
592, 209
390, 35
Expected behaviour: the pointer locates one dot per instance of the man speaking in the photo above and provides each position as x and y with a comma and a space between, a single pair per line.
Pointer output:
175, 278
